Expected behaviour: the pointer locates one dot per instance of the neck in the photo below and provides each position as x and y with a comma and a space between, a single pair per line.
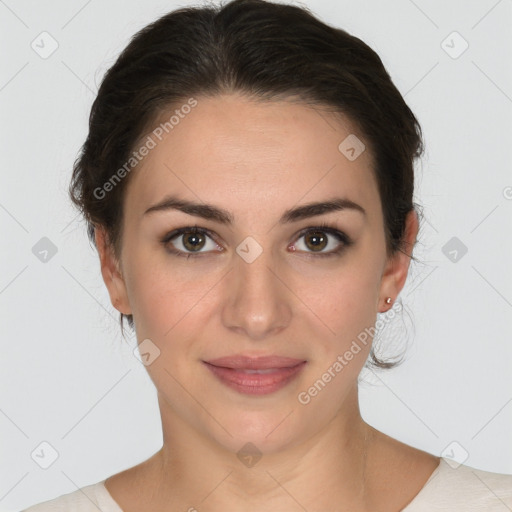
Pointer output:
192, 470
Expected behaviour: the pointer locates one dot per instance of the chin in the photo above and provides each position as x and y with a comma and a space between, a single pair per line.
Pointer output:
264, 431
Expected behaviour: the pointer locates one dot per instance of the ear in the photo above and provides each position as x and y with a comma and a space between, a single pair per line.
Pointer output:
111, 272
397, 267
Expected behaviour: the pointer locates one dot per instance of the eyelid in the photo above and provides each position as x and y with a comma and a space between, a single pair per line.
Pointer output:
176, 233
344, 240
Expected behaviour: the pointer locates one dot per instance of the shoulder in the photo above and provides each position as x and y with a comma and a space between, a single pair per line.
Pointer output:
87, 499
463, 488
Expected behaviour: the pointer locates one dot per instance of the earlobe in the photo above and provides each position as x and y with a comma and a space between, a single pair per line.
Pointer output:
397, 266
111, 272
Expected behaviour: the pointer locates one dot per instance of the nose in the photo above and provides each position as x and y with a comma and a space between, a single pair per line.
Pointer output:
257, 300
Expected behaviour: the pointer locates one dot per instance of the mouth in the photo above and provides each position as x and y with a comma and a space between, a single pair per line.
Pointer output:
255, 375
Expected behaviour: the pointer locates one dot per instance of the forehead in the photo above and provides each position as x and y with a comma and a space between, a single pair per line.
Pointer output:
254, 153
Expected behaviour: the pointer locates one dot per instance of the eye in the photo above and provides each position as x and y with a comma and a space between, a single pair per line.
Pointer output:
190, 241
322, 241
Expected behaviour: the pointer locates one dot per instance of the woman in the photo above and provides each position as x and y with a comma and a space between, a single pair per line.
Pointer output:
248, 183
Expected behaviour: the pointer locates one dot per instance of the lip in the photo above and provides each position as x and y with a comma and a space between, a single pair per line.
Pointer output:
240, 361
255, 376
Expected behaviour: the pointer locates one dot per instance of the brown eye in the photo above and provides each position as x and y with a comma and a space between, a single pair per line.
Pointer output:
193, 241
316, 240
322, 241
190, 241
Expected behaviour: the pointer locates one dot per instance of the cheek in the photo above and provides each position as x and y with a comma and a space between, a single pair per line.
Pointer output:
166, 297
341, 308
347, 312
342, 294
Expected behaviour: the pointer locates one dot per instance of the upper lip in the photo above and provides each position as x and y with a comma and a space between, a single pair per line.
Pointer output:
239, 361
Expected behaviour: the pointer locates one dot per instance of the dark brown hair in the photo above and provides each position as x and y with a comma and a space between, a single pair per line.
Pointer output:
266, 51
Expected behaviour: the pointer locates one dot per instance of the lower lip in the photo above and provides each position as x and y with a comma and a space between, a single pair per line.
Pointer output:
256, 383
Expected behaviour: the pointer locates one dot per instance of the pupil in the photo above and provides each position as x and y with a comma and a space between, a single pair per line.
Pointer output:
194, 241
318, 239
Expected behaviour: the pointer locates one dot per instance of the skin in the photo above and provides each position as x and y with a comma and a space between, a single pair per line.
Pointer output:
256, 160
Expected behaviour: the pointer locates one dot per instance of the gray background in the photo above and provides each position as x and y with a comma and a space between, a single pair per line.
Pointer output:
67, 376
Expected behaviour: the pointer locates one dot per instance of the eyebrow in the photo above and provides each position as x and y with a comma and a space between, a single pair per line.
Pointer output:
211, 212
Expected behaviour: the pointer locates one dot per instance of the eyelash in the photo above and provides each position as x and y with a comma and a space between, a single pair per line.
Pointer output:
345, 240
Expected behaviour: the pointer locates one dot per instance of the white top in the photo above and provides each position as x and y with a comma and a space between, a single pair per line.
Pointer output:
453, 489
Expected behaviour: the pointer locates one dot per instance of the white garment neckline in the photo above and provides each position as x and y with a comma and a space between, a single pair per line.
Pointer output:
107, 499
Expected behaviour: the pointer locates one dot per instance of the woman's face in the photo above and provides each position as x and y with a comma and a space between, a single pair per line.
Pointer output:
253, 282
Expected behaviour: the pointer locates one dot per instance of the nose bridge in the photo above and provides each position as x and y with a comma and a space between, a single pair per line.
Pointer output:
256, 300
